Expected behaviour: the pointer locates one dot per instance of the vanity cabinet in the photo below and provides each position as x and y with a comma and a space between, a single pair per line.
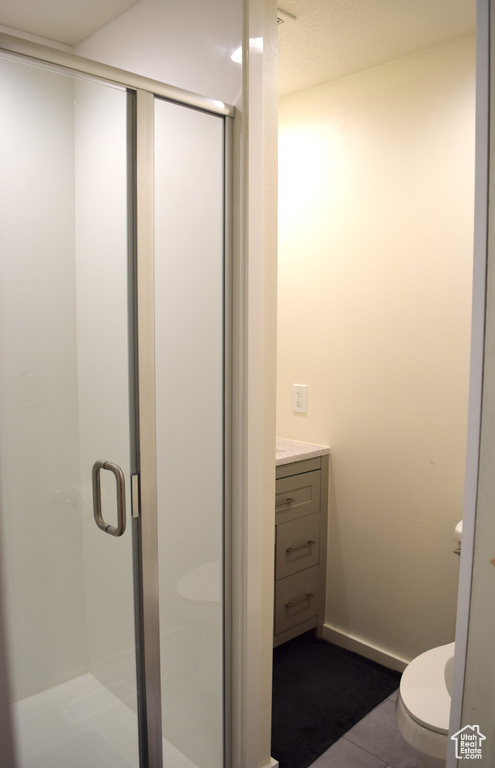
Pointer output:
301, 496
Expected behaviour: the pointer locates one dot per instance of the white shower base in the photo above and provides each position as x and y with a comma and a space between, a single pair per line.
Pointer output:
81, 724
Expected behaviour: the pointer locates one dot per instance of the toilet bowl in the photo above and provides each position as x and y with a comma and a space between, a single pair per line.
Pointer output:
200, 598
200, 591
423, 705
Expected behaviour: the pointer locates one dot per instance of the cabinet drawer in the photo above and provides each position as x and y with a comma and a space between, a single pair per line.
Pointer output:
296, 599
297, 496
297, 545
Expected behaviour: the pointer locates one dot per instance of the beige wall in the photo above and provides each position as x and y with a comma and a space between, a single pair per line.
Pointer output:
375, 258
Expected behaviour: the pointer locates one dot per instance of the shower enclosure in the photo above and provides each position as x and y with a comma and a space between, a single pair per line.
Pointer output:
114, 413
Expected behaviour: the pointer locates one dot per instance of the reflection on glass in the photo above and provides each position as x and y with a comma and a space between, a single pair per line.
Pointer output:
189, 365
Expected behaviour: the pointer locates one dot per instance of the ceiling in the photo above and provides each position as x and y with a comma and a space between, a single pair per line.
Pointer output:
334, 38
329, 38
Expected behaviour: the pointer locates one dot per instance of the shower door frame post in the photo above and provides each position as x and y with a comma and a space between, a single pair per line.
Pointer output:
228, 443
141, 93
145, 518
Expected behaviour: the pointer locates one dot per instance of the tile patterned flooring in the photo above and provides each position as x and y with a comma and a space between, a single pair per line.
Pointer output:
374, 742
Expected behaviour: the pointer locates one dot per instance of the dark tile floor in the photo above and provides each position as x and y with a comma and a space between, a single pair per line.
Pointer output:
374, 742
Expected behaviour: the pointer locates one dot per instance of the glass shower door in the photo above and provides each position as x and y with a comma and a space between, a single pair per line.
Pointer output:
64, 405
190, 404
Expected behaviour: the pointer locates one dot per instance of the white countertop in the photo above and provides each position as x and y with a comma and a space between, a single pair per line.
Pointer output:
288, 451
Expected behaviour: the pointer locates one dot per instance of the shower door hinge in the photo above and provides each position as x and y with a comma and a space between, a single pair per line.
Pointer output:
135, 495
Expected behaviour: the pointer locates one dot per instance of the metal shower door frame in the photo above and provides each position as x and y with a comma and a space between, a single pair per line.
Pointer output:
141, 94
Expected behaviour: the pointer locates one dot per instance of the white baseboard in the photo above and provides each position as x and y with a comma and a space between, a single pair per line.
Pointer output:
369, 651
272, 764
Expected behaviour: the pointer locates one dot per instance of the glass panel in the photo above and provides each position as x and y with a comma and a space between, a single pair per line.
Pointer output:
190, 418
64, 405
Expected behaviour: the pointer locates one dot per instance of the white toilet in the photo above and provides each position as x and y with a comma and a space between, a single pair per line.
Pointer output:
423, 704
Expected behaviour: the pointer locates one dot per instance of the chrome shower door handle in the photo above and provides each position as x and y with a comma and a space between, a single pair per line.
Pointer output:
113, 530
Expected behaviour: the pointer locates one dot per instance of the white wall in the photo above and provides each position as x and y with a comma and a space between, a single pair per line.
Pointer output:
64, 374
187, 45
375, 260
41, 518
101, 245
256, 394
474, 678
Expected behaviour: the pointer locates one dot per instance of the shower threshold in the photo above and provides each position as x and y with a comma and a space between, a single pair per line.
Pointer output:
83, 724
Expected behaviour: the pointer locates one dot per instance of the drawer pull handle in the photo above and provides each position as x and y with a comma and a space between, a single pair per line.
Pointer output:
308, 596
309, 543
283, 503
